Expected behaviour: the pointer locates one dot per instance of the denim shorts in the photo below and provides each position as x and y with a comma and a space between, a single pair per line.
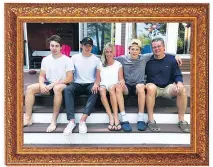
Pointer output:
51, 91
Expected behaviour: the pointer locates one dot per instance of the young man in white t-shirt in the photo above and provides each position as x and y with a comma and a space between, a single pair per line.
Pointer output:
85, 65
56, 72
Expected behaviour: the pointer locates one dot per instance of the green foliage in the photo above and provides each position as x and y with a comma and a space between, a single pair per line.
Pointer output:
95, 30
144, 40
180, 46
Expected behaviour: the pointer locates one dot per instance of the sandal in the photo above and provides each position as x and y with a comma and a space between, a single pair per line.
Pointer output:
126, 127
117, 127
141, 125
184, 126
111, 127
153, 126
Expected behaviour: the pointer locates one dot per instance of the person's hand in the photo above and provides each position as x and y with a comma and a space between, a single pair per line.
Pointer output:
50, 86
121, 83
179, 60
179, 88
95, 88
44, 88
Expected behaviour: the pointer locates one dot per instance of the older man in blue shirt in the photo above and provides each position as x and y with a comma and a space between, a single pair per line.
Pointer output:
164, 79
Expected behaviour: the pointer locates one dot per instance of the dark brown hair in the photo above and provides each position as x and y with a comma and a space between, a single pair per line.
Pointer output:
55, 38
158, 39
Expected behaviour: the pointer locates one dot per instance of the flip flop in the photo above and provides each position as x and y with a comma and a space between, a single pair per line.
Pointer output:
111, 127
116, 127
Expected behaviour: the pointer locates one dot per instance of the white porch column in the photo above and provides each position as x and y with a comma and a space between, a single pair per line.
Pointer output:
85, 29
117, 33
26, 52
128, 36
171, 37
81, 33
112, 33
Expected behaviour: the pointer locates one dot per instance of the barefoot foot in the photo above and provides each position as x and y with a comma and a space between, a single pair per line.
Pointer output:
28, 122
51, 127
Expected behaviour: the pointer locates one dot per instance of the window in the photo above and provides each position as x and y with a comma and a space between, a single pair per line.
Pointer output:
100, 33
148, 31
184, 35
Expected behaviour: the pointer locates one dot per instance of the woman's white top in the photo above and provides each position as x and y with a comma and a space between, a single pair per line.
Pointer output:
109, 74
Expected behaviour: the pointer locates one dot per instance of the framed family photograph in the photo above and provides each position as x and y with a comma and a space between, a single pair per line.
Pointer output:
142, 120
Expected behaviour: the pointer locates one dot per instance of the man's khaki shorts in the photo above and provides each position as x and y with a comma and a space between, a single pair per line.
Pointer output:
165, 92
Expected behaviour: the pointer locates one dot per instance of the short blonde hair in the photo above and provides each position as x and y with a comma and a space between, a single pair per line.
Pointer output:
136, 42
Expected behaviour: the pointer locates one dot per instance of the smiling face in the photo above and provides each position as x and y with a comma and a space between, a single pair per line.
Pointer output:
109, 53
158, 48
86, 49
134, 51
55, 48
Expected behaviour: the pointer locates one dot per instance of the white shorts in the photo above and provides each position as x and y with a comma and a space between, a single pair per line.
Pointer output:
107, 86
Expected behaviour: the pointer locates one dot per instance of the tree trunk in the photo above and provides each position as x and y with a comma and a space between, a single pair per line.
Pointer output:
102, 36
134, 31
96, 33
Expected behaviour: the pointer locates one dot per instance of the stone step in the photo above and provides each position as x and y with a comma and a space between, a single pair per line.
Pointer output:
99, 134
46, 100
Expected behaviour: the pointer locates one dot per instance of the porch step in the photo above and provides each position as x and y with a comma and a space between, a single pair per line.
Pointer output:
98, 128
129, 109
43, 114
45, 100
103, 118
99, 134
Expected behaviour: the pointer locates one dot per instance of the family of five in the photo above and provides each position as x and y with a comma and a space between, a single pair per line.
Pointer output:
86, 73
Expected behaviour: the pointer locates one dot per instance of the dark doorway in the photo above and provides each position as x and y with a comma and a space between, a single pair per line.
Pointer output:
38, 33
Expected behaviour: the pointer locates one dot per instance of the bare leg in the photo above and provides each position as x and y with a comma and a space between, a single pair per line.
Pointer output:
29, 101
150, 100
58, 89
120, 99
141, 97
181, 102
114, 103
106, 104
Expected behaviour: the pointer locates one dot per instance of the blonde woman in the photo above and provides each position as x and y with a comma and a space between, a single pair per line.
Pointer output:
110, 72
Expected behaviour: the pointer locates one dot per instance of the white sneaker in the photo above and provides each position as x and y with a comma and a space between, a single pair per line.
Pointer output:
82, 127
68, 130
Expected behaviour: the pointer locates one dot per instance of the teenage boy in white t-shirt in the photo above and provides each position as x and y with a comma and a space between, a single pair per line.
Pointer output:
85, 65
56, 72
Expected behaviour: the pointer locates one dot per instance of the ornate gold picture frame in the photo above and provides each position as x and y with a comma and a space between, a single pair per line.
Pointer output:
17, 14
